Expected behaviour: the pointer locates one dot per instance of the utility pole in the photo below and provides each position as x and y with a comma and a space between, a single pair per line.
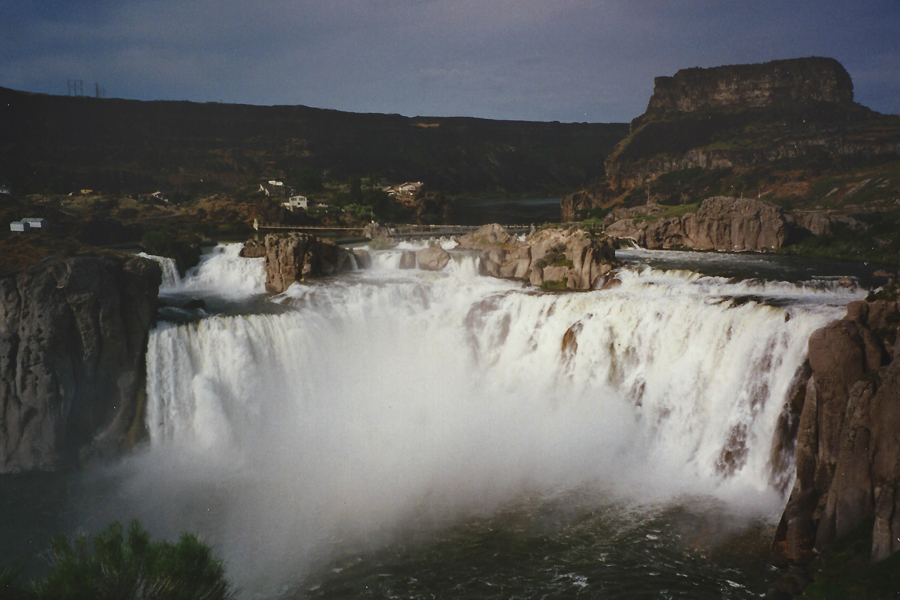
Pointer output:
75, 87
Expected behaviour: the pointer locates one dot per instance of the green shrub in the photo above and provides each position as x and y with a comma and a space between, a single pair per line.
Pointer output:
556, 257
10, 588
556, 285
132, 567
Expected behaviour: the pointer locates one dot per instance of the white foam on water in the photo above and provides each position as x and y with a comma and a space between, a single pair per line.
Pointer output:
391, 398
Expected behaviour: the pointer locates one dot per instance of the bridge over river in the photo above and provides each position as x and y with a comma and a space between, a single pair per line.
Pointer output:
405, 231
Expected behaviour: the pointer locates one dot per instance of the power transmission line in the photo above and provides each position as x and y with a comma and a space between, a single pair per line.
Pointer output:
76, 87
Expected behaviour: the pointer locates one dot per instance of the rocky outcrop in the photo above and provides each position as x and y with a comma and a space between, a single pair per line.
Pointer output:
73, 336
433, 258
721, 223
299, 256
820, 222
572, 259
800, 80
253, 249
848, 450
735, 119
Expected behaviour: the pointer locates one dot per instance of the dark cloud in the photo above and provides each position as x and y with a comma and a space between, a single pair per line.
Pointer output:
568, 60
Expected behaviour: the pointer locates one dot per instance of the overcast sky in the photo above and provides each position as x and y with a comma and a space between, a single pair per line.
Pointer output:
565, 60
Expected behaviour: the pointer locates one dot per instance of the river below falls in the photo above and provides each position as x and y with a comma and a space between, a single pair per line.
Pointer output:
406, 434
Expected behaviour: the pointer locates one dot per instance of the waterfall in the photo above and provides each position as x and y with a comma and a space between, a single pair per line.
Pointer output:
391, 397
221, 272
170, 277
388, 399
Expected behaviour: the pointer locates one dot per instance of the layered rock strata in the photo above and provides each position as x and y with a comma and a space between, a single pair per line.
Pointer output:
73, 336
799, 80
572, 259
721, 223
848, 447
735, 117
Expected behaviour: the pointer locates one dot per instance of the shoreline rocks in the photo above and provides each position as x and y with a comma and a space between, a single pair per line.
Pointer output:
721, 223
73, 338
847, 448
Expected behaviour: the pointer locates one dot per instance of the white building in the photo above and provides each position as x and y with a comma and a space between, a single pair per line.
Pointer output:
295, 202
37, 223
408, 189
19, 226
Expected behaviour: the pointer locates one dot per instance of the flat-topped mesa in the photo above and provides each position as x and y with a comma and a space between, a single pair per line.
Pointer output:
794, 81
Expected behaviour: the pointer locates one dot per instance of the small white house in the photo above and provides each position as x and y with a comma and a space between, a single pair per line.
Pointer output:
295, 202
36, 223
5, 190
19, 226
409, 188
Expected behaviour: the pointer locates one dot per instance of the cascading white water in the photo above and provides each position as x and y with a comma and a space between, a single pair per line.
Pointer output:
170, 277
391, 399
220, 271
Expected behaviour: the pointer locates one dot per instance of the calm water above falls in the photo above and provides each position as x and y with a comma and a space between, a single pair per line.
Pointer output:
408, 434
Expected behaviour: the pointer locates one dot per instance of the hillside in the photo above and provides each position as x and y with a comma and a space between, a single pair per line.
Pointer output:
785, 132
56, 144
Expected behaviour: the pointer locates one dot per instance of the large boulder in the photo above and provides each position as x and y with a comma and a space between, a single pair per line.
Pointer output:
300, 256
492, 235
572, 259
433, 258
73, 338
253, 249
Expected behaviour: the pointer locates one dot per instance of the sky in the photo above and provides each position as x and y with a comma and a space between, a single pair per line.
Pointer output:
540, 60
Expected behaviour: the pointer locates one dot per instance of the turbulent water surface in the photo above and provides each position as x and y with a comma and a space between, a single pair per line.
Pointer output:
409, 434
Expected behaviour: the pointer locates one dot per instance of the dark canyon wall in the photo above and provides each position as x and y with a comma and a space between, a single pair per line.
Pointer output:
73, 336
848, 443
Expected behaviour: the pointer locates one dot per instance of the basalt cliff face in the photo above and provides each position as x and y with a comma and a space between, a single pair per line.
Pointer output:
73, 336
734, 119
722, 224
778, 82
848, 448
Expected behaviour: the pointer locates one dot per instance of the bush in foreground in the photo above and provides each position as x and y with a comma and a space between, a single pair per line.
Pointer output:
125, 568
